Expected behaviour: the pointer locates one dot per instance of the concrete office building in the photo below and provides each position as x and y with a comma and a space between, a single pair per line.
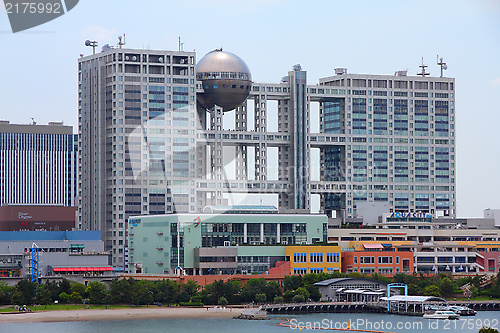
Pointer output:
38, 164
60, 252
447, 245
230, 243
152, 139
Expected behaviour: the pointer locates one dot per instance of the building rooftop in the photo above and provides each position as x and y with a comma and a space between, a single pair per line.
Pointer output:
89, 235
240, 209
337, 280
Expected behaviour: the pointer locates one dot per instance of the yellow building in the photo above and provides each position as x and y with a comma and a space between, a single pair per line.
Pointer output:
313, 259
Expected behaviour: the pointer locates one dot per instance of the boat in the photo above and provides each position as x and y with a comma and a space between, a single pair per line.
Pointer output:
462, 310
441, 314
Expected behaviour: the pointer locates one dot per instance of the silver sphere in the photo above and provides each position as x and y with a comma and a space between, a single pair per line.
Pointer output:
226, 80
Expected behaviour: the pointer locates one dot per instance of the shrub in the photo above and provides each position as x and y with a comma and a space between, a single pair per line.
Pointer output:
279, 300
222, 301
298, 299
260, 298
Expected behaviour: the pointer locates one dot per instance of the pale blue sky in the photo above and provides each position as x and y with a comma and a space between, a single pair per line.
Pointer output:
38, 71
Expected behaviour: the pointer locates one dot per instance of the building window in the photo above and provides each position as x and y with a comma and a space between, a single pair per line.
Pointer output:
367, 260
385, 260
332, 257
300, 271
299, 257
316, 270
316, 257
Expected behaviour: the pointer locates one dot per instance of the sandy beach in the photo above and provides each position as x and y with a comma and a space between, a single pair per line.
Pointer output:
118, 314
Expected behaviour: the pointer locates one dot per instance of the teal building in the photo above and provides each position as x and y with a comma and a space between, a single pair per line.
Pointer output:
218, 243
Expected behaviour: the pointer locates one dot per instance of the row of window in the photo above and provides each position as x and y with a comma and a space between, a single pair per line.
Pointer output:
371, 260
303, 270
316, 257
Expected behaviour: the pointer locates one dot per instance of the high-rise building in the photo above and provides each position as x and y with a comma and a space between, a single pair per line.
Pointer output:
38, 164
137, 127
155, 138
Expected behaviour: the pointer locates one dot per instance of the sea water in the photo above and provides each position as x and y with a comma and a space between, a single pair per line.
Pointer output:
303, 323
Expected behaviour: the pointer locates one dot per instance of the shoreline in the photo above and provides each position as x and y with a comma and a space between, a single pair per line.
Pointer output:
118, 314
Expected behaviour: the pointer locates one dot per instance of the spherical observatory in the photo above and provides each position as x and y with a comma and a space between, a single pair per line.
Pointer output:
226, 80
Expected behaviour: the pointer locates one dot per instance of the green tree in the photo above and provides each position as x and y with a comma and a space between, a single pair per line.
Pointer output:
122, 290
252, 288
292, 282
222, 301
143, 295
272, 290
43, 296
188, 290
314, 293
298, 299
5, 293
78, 288
26, 292
167, 291
96, 292
212, 292
288, 295
279, 300
446, 287
64, 286
260, 298
380, 277
53, 288
432, 290
302, 291
63, 298
75, 297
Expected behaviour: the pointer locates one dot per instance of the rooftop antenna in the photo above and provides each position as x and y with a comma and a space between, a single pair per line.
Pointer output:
181, 45
33, 122
423, 73
91, 43
442, 64
120, 42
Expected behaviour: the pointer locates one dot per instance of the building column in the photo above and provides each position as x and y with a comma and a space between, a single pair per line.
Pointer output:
241, 150
217, 153
262, 232
261, 148
278, 236
245, 237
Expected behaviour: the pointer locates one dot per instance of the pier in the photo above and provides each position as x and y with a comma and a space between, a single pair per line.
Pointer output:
360, 307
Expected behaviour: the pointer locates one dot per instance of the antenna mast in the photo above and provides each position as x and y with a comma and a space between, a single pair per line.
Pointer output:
180, 44
423, 67
91, 43
441, 64
120, 43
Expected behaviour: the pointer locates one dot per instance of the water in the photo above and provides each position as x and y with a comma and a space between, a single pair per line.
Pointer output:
381, 322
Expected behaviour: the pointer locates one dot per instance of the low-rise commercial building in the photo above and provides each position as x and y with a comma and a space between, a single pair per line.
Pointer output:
437, 244
229, 243
59, 252
353, 289
313, 259
370, 258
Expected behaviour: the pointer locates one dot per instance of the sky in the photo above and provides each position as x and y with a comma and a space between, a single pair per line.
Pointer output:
38, 67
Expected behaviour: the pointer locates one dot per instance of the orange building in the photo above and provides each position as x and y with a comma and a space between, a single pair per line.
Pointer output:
377, 258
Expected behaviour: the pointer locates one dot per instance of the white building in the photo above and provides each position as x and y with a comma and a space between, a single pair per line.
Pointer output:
38, 164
